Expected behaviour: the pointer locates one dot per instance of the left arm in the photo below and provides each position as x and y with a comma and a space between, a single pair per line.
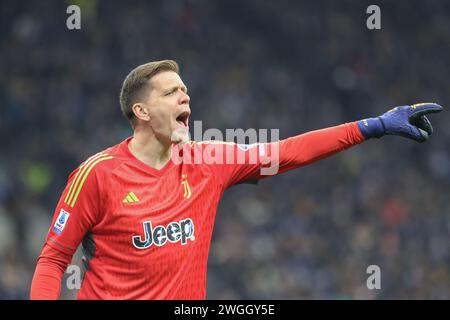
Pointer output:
250, 163
312, 146
262, 160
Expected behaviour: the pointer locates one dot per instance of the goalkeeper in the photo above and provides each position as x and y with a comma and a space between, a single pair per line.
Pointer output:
144, 221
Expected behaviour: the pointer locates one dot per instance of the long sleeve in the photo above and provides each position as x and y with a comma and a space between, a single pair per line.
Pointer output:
46, 284
75, 214
315, 145
262, 160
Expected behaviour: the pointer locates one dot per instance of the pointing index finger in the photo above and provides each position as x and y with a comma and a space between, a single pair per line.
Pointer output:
420, 109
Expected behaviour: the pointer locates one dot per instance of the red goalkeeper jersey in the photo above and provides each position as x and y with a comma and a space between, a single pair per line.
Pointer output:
145, 232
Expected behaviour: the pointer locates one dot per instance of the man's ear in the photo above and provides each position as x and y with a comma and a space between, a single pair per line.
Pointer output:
140, 111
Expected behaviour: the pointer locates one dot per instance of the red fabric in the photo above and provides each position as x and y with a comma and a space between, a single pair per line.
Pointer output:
157, 247
46, 283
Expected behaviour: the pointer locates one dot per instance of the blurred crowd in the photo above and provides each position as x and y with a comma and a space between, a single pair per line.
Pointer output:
292, 65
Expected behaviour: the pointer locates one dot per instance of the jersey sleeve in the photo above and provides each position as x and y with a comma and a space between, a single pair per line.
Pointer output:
76, 212
236, 163
78, 207
46, 283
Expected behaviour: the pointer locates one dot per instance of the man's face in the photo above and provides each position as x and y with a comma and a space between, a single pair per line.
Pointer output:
168, 106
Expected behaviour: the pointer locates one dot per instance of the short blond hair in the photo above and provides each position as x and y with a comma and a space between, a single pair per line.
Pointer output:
136, 85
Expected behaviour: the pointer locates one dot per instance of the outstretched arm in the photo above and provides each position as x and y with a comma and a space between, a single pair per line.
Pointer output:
406, 121
278, 157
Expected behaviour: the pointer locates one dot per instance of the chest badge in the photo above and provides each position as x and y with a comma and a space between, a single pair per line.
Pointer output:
187, 190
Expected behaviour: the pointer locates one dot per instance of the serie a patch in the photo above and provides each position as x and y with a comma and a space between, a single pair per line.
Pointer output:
60, 223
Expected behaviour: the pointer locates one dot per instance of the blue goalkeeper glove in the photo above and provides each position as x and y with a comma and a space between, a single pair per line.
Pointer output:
406, 121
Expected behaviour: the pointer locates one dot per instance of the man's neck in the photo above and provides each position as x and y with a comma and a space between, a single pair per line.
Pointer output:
148, 149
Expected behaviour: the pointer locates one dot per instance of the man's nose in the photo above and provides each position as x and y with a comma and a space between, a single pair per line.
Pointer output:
185, 98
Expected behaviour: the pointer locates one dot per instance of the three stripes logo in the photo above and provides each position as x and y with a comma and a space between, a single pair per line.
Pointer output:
130, 198
80, 177
187, 190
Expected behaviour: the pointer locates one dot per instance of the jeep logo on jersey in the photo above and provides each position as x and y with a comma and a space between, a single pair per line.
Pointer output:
174, 232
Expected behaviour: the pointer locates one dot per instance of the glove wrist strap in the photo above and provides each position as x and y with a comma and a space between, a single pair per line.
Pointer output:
372, 127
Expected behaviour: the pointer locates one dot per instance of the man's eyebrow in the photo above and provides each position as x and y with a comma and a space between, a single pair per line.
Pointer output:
184, 88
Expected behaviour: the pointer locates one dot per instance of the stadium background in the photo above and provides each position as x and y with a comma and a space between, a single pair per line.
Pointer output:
297, 66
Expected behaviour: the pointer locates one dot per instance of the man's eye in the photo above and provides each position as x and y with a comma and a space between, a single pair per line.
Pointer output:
169, 93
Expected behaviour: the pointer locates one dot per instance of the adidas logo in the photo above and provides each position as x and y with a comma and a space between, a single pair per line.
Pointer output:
130, 198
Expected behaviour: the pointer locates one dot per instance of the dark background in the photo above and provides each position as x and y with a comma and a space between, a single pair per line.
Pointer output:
292, 65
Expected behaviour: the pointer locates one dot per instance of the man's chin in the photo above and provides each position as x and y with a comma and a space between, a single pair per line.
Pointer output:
180, 136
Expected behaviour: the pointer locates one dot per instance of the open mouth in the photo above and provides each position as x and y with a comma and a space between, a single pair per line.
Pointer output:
183, 118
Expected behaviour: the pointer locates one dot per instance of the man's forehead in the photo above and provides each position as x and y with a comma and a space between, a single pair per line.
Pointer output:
166, 79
